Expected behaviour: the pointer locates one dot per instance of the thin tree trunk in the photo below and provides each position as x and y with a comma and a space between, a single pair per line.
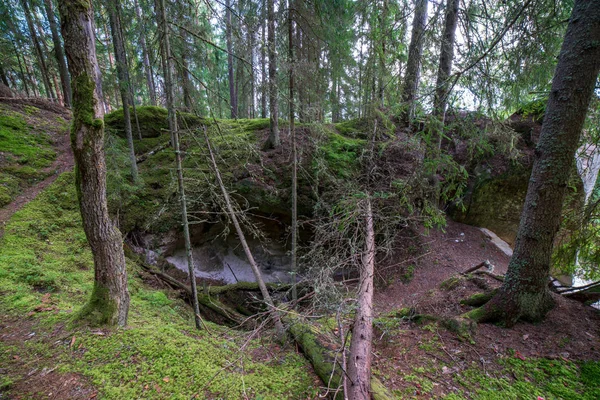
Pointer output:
3, 76
415, 54
232, 92
109, 303
442, 86
359, 363
251, 40
294, 266
263, 58
172, 116
273, 140
32, 79
525, 294
23, 77
145, 57
114, 14
38, 50
257, 274
59, 54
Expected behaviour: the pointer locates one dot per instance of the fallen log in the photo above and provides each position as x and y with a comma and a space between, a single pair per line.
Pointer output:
485, 263
141, 158
212, 307
325, 357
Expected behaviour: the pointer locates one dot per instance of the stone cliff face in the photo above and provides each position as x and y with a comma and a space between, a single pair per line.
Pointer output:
498, 187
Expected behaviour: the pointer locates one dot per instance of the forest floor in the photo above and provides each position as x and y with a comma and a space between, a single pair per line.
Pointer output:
428, 361
53, 126
43, 356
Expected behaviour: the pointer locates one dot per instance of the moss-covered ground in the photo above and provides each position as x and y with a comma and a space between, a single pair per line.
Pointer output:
46, 275
25, 150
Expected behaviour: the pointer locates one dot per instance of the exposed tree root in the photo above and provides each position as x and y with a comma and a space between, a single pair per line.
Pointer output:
479, 299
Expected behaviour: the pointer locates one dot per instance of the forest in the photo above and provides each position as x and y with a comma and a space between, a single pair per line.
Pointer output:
286, 199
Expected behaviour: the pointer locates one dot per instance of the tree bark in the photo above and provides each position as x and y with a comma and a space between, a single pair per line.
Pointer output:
359, 363
273, 140
114, 15
59, 54
263, 58
172, 117
525, 294
38, 50
294, 261
232, 92
110, 298
145, 57
415, 54
442, 86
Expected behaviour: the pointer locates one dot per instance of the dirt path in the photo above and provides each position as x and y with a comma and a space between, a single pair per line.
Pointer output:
64, 162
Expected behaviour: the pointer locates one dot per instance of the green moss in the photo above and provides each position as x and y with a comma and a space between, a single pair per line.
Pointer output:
159, 355
31, 110
83, 103
451, 283
341, 154
100, 309
478, 299
26, 151
526, 379
535, 109
153, 121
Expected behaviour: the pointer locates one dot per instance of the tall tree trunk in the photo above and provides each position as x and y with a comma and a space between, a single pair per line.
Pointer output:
294, 266
38, 50
186, 82
114, 15
273, 140
59, 54
359, 363
251, 43
54, 94
525, 294
22, 73
415, 54
263, 63
32, 79
442, 86
145, 57
109, 303
172, 116
381, 73
232, 92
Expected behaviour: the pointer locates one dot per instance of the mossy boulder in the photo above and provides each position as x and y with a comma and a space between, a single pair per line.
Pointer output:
153, 121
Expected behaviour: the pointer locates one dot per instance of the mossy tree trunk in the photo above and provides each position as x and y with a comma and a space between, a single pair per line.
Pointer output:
525, 294
110, 298
415, 54
114, 16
